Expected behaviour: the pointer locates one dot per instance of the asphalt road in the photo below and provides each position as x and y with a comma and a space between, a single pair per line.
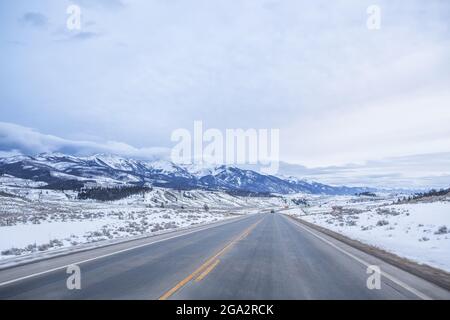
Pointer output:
263, 256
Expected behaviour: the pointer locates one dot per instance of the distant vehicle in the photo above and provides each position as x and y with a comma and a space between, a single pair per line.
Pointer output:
272, 211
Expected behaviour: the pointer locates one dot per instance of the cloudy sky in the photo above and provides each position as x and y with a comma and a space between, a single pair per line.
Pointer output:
344, 97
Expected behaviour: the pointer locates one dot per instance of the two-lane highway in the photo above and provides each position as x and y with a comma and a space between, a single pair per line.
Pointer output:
263, 256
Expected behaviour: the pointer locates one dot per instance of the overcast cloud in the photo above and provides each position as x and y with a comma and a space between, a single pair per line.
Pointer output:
137, 70
16, 139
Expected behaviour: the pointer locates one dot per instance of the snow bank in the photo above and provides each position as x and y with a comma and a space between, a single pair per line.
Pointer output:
417, 231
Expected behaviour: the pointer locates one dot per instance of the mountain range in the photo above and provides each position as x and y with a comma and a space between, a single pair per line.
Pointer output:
68, 172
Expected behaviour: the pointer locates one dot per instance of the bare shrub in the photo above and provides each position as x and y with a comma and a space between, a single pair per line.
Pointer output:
381, 223
442, 230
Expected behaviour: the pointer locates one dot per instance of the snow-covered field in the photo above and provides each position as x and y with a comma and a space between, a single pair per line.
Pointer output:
34, 220
417, 231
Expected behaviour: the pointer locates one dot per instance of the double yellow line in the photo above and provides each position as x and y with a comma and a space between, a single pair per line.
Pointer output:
201, 272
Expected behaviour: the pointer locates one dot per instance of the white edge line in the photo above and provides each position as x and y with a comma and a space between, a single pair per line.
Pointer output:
115, 252
384, 274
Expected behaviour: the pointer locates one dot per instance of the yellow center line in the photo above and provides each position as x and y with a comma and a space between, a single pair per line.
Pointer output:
208, 270
205, 268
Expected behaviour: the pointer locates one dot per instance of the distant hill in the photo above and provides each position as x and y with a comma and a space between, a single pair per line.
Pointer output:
60, 171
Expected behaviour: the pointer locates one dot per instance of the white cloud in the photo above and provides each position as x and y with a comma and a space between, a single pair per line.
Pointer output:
419, 171
15, 138
406, 125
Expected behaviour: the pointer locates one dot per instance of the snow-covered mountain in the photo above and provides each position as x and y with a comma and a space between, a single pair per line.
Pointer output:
66, 172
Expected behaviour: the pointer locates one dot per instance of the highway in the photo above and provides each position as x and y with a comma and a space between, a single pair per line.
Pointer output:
261, 256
